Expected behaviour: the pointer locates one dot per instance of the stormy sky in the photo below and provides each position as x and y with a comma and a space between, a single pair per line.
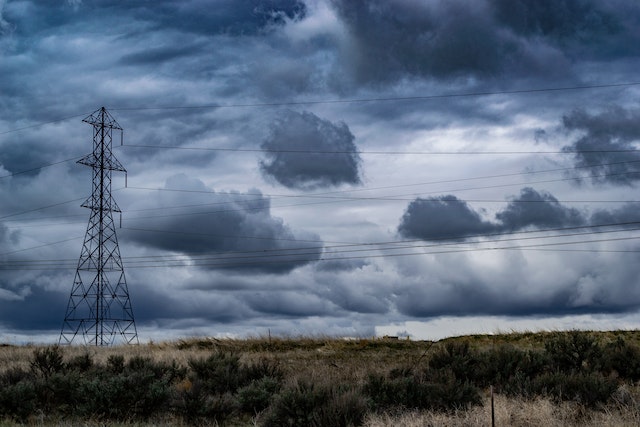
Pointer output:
327, 167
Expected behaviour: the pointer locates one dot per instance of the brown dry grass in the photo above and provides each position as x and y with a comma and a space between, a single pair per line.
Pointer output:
516, 413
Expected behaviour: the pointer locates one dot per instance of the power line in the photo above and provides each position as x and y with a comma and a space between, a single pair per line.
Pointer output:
339, 101
379, 99
44, 245
41, 208
40, 167
35, 125
268, 150
337, 199
268, 254
342, 200
222, 262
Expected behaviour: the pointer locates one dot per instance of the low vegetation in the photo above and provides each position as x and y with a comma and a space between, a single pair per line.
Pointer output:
553, 378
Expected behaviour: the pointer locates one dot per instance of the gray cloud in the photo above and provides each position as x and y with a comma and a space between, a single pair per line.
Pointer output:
537, 209
447, 217
626, 214
160, 54
584, 21
442, 40
577, 294
230, 17
33, 310
237, 230
303, 153
482, 39
606, 151
5, 27
442, 217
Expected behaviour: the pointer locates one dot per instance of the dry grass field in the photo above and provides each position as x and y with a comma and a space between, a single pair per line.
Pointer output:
549, 378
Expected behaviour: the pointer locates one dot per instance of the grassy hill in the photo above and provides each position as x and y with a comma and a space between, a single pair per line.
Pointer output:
546, 378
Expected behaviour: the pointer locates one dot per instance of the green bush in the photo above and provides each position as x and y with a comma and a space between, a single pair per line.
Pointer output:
47, 361
14, 375
141, 388
197, 406
622, 358
258, 395
263, 368
431, 389
310, 405
345, 408
115, 363
18, 400
219, 373
573, 351
502, 364
81, 363
585, 388
59, 393
459, 358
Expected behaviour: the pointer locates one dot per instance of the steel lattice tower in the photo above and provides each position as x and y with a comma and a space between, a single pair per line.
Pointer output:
99, 308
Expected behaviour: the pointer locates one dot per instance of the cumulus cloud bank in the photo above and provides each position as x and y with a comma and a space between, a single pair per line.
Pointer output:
236, 229
447, 217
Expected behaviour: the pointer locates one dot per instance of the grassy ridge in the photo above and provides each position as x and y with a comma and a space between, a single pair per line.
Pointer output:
326, 381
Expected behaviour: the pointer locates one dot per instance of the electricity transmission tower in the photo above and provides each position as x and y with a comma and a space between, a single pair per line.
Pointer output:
99, 308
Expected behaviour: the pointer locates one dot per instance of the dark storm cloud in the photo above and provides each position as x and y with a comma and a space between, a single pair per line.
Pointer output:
152, 305
447, 217
288, 303
235, 17
160, 54
477, 297
442, 217
34, 308
307, 152
224, 16
340, 265
627, 214
537, 209
393, 39
564, 20
606, 151
236, 229
7, 238
484, 39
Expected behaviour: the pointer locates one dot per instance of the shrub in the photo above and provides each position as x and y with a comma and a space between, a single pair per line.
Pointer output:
47, 361
13, 376
263, 368
58, 393
501, 364
310, 405
428, 390
573, 351
140, 388
197, 406
622, 358
18, 401
81, 363
257, 395
459, 358
115, 363
345, 408
219, 373
585, 388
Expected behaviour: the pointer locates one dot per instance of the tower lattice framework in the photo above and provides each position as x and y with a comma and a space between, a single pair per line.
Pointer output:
99, 311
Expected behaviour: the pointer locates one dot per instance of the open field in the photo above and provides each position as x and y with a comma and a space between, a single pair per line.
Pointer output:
549, 378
